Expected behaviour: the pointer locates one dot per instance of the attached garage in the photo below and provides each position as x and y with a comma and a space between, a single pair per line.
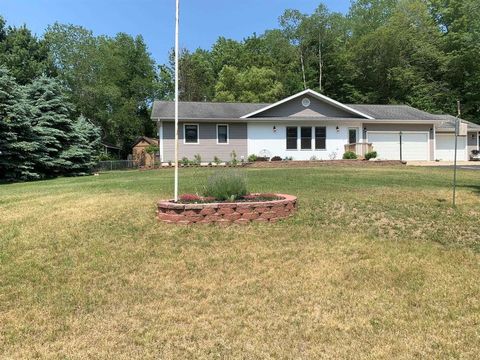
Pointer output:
396, 145
445, 147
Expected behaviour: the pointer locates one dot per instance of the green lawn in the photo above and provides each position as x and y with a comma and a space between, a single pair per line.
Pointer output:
376, 264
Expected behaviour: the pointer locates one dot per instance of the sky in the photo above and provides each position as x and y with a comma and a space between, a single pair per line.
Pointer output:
201, 21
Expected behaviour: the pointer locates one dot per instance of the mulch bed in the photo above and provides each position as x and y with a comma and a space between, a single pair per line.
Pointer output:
320, 163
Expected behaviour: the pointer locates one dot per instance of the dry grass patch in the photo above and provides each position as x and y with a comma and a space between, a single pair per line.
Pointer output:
365, 270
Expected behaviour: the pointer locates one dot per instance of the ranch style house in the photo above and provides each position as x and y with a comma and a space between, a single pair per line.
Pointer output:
309, 125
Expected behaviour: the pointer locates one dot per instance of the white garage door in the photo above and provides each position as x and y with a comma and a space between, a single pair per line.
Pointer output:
415, 146
446, 147
387, 145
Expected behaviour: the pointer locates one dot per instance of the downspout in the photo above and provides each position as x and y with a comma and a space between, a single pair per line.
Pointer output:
160, 140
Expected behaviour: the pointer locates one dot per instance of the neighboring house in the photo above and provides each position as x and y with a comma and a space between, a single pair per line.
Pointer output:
310, 125
141, 155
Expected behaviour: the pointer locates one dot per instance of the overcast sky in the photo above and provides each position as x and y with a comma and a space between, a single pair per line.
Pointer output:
202, 21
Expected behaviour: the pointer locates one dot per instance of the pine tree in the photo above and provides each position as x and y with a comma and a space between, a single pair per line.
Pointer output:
54, 127
19, 144
81, 154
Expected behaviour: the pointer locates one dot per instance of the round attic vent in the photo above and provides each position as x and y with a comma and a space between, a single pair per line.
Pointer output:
306, 102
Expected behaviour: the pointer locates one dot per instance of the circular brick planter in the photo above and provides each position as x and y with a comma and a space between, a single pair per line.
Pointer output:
227, 213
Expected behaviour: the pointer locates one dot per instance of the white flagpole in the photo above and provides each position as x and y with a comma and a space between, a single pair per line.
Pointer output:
176, 100
457, 128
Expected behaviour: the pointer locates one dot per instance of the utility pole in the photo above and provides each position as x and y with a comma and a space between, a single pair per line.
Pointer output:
176, 99
455, 156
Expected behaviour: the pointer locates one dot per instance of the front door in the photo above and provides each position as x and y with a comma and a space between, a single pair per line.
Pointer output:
352, 136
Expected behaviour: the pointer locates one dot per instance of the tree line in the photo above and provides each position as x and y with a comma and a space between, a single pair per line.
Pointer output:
64, 93
418, 52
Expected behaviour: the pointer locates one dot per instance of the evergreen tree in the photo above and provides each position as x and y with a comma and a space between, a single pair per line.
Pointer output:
80, 156
53, 125
19, 144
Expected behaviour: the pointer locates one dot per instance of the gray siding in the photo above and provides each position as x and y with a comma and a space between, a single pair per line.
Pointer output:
405, 127
294, 108
472, 139
207, 147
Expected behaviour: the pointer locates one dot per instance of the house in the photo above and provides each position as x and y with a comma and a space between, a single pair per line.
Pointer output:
310, 125
141, 153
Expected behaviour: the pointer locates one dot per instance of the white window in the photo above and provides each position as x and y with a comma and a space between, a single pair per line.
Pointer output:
223, 135
190, 132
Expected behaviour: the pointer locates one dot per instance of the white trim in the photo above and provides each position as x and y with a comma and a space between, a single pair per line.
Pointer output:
357, 130
160, 140
397, 131
312, 131
198, 134
299, 137
478, 140
434, 143
286, 138
314, 94
228, 134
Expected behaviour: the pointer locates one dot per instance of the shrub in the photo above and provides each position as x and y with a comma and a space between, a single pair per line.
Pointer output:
313, 158
252, 158
370, 155
217, 160
197, 160
151, 149
349, 155
226, 185
288, 158
185, 161
233, 157
276, 158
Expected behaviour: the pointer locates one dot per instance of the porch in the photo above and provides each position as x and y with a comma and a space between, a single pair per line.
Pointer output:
360, 149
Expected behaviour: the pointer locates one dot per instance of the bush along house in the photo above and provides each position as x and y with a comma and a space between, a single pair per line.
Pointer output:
309, 125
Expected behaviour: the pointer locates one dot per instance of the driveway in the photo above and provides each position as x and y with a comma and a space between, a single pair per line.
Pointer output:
467, 167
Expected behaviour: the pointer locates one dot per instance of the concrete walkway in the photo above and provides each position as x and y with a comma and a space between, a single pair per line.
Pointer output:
462, 165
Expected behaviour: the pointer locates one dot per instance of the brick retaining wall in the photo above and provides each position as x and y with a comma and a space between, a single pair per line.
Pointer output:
226, 213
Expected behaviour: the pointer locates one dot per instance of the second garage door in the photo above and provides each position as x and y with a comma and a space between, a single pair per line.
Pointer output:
414, 145
446, 147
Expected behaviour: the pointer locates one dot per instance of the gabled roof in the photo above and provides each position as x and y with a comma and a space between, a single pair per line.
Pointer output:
314, 94
146, 139
243, 112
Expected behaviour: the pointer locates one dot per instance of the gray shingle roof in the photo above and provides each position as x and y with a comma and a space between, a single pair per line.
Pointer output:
394, 112
448, 123
203, 110
219, 110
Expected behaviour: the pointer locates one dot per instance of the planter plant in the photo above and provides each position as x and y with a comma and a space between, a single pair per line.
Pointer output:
226, 200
